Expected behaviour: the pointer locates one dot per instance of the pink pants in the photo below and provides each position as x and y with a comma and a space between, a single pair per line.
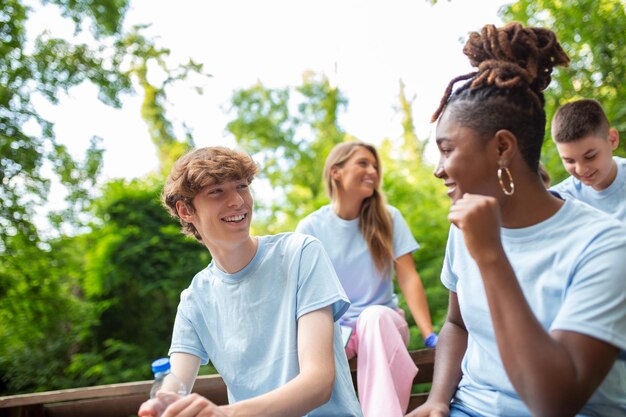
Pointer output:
385, 370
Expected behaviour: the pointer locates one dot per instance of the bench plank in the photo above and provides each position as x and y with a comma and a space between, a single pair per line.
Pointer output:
122, 400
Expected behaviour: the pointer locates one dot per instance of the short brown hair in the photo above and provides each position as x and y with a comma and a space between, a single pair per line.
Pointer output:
578, 119
198, 169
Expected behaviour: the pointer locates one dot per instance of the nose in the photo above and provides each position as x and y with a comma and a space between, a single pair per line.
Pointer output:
439, 172
581, 169
235, 199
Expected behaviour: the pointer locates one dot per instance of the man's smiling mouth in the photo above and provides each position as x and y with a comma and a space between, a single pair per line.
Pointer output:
235, 219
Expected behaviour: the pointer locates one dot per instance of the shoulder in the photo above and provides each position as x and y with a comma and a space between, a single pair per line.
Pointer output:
593, 222
197, 286
393, 211
395, 214
621, 165
290, 242
397, 218
567, 186
317, 217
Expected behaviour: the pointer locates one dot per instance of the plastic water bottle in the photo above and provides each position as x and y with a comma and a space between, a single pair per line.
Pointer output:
165, 379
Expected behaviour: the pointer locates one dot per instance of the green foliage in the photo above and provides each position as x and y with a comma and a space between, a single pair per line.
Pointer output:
137, 264
289, 145
44, 317
411, 187
97, 307
591, 32
142, 53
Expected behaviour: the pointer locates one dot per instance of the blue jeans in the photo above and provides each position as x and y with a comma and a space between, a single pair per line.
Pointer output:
459, 410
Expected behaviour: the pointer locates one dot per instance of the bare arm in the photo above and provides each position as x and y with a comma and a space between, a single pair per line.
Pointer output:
414, 294
447, 373
185, 368
554, 373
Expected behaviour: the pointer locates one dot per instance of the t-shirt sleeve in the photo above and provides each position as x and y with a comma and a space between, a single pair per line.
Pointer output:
403, 240
448, 277
318, 285
185, 338
596, 295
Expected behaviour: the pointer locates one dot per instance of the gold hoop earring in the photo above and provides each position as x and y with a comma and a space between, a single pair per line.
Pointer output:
510, 179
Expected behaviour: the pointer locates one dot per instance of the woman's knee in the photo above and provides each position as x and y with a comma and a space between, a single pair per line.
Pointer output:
375, 314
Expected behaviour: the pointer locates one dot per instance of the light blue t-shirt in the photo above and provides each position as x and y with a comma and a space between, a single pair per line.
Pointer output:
611, 200
572, 271
352, 259
246, 323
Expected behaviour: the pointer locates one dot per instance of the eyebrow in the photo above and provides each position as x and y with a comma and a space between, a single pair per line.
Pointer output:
439, 141
586, 153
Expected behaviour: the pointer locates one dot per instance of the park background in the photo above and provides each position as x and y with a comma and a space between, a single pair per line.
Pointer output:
91, 265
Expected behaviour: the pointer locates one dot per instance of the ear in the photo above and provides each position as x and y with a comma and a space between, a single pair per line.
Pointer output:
335, 173
613, 138
506, 145
184, 211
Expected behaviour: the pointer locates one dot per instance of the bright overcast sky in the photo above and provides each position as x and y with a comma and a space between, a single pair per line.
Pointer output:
364, 47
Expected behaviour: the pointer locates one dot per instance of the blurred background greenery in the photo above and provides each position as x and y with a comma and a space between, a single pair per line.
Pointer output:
94, 302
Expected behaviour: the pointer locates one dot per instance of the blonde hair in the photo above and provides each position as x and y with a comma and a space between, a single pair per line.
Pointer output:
198, 169
374, 219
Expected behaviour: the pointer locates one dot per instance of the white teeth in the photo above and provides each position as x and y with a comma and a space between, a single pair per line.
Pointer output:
235, 218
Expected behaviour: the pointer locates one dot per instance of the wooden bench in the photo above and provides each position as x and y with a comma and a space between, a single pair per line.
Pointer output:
122, 400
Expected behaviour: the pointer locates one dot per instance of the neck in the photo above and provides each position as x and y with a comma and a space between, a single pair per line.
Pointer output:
233, 258
531, 204
347, 208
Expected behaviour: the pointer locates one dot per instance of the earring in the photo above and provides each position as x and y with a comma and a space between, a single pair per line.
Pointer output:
510, 179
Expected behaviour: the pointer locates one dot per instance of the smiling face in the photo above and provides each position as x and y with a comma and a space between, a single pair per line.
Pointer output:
221, 213
590, 159
467, 162
359, 176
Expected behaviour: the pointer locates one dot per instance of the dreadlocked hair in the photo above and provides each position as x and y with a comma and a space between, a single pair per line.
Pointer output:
375, 223
514, 67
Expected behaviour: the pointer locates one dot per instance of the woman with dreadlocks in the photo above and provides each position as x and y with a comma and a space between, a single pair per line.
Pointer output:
536, 321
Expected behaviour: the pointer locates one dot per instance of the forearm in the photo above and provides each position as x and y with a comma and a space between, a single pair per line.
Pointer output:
298, 397
542, 371
185, 366
414, 294
415, 297
447, 372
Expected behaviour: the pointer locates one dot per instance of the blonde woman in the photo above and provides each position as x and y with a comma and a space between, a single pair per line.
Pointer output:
367, 240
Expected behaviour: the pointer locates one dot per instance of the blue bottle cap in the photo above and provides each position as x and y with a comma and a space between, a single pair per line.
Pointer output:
161, 365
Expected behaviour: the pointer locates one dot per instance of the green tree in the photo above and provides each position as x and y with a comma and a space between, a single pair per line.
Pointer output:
410, 186
289, 145
57, 331
43, 315
41, 309
591, 32
137, 264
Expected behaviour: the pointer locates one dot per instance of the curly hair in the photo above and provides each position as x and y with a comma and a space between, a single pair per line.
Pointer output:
514, 65
201, 168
